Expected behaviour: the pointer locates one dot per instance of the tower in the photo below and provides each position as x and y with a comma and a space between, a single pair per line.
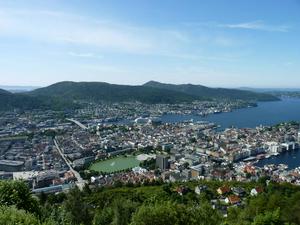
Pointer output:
162, 162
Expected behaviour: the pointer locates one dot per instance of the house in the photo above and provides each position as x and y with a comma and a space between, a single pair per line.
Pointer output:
238, 191
233, 199
223, 190
256, 191
200, 189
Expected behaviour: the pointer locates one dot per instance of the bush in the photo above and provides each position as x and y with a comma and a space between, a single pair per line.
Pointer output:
11, 215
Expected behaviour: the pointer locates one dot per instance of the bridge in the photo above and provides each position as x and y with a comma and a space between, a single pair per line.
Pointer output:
78, 123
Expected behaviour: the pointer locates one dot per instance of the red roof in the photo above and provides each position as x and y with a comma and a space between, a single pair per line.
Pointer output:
249, 169
233, 199
224, 189
259, 189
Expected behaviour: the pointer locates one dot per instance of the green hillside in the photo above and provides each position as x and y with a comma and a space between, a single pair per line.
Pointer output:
63, 95
216, 93
99, 91
9, 101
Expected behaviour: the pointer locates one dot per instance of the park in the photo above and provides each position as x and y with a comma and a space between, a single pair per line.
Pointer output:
115, 164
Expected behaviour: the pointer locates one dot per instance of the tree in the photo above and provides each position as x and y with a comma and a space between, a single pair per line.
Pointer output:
168, 213
17, 193
291, 211
12, 215
158, 214
205, 215
103, 217
76, 208
123, 210
268, 218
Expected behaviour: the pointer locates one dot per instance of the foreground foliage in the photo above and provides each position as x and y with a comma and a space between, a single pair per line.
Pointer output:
12, 215
158, 204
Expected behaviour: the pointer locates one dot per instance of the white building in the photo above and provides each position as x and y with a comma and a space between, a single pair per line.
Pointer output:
273, 147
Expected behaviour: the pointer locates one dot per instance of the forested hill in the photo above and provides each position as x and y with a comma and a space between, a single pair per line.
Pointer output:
3, 92
99, 91
151, 92
10, 101
216, 93
63, 95
22, 101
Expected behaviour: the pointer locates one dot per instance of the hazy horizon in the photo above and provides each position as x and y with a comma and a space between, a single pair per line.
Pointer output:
31, 87
212, 43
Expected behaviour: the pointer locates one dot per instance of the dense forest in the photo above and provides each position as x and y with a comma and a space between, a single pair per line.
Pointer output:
150, 204
23, 101
66, 95
213, 93
99, 91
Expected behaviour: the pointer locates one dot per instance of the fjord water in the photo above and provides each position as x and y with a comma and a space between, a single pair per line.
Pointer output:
266, 113
290, 158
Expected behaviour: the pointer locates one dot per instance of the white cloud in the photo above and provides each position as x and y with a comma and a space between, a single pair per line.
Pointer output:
257, 25
85, 55
252, 25
86, 36
59, 27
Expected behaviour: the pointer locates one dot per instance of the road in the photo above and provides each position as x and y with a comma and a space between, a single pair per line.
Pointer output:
80, 182
78, 123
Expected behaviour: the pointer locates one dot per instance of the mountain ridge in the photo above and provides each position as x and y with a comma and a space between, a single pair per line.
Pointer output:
64, 95
23, 101
216, 93
101, 91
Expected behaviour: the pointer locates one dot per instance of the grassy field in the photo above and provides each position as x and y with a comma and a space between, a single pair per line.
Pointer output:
115, 164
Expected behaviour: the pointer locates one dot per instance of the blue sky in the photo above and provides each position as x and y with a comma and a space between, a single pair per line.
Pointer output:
214, 42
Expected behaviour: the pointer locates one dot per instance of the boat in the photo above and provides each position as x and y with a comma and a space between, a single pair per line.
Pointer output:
283, 166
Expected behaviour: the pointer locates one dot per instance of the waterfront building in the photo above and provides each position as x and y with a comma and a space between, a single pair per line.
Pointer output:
273, 147
288, 146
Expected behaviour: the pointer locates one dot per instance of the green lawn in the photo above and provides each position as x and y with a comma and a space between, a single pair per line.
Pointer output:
115, 164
